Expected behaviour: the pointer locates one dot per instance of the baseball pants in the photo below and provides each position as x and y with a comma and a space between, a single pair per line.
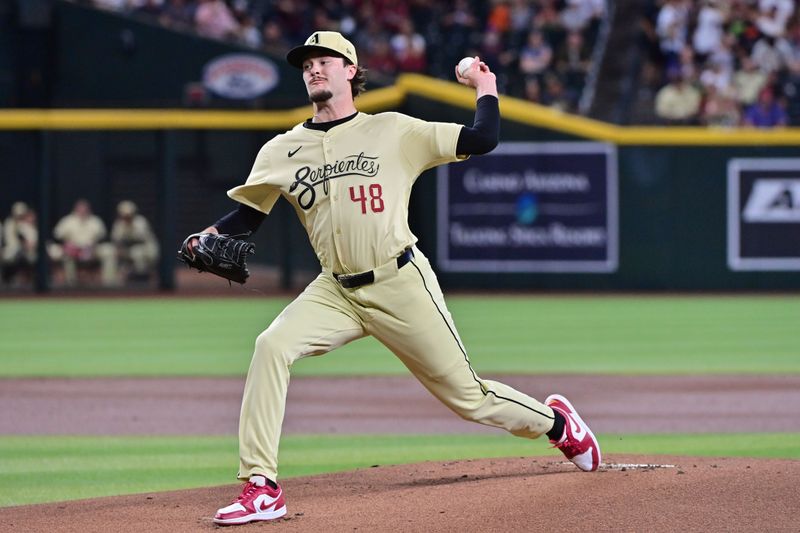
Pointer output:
405, 310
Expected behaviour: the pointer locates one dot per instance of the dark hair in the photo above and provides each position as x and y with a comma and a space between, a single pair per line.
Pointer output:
359, 82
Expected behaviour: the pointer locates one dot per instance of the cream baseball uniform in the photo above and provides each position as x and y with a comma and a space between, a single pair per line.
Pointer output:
82, 232
135, 241
85, 233
350, 186
19, 239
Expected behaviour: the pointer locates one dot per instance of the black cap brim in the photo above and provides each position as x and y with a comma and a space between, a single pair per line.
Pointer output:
298, 54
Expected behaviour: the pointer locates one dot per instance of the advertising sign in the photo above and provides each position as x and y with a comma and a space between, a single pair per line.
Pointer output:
240, 76
764, 214
530, 207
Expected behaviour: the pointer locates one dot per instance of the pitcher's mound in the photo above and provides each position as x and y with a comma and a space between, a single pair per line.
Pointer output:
629, 493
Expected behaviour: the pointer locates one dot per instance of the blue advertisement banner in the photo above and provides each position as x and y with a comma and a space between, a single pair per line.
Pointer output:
530, 207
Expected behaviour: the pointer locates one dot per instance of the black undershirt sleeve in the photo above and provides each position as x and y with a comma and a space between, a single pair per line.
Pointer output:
484, 134
243, 219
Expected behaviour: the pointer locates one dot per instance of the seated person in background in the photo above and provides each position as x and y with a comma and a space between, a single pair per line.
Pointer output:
767, 112
678, 102
79, 236
20, 238
134, 241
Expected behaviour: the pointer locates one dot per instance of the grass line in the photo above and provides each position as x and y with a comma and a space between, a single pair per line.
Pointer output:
532, 335
40, 469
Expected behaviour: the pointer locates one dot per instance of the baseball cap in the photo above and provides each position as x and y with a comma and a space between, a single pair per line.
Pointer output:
327, 41
126, 208
19, 209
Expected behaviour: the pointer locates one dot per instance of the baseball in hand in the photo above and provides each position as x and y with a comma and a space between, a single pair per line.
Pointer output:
464, 65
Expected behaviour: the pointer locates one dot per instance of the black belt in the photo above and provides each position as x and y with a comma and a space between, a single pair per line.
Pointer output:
351, 281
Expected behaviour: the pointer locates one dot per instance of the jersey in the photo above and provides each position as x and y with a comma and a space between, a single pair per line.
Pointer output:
82, 232
350, 186
134, 231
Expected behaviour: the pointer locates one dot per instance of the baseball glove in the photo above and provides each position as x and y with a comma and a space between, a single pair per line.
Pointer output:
223, 255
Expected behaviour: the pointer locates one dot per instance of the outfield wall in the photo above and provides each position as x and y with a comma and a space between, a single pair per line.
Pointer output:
673, 210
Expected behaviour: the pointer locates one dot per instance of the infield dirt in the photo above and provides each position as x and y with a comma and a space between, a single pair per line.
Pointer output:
519, 494
503, 495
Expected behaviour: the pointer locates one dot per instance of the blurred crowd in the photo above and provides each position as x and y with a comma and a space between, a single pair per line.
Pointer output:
724, 62
81, 249
540, 50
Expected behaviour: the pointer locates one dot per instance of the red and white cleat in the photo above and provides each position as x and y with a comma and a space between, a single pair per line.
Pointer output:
253, 504
578, 442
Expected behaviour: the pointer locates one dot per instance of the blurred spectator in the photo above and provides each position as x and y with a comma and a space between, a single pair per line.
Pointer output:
767, 112
672, 27
178, 14
790, 78
742, 25
719, 108
687, 65
457, 27
368, 39
791, 53
20, 239
393, 14
572, 65
773, 16
738, 46
535, 56
717, 77
499, 17
135, 243
648, 43
678, 102
274, 38
724, 55
493, 53
321, 20
380, 60
79, 245
409, 48
554, 94
290, 15
768, 53
748, 81
580, 14
423, 36
248, 33
548, 21
214, 19
707, 35
521, 14
533, 91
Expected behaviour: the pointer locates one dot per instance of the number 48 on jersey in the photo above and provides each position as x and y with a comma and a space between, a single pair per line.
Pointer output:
375, 199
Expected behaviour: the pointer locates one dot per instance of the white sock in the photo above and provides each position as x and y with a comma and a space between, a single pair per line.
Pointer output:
258, 481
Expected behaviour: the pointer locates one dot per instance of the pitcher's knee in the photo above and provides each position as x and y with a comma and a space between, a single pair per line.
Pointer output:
271, 348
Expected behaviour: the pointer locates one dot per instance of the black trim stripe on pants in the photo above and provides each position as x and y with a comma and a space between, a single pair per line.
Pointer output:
455, 337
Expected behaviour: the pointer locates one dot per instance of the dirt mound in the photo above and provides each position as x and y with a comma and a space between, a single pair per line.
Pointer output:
630, 493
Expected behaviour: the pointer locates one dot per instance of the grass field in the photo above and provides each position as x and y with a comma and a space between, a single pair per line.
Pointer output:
214, 337
608, 334
84, 467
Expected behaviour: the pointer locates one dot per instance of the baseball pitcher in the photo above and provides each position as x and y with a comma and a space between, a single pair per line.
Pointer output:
349, 177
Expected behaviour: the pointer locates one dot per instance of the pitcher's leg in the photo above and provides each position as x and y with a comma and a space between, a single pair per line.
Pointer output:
418, 328
315, 323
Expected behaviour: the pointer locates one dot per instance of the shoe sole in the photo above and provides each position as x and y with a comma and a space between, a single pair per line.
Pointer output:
574, 414
255, 517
